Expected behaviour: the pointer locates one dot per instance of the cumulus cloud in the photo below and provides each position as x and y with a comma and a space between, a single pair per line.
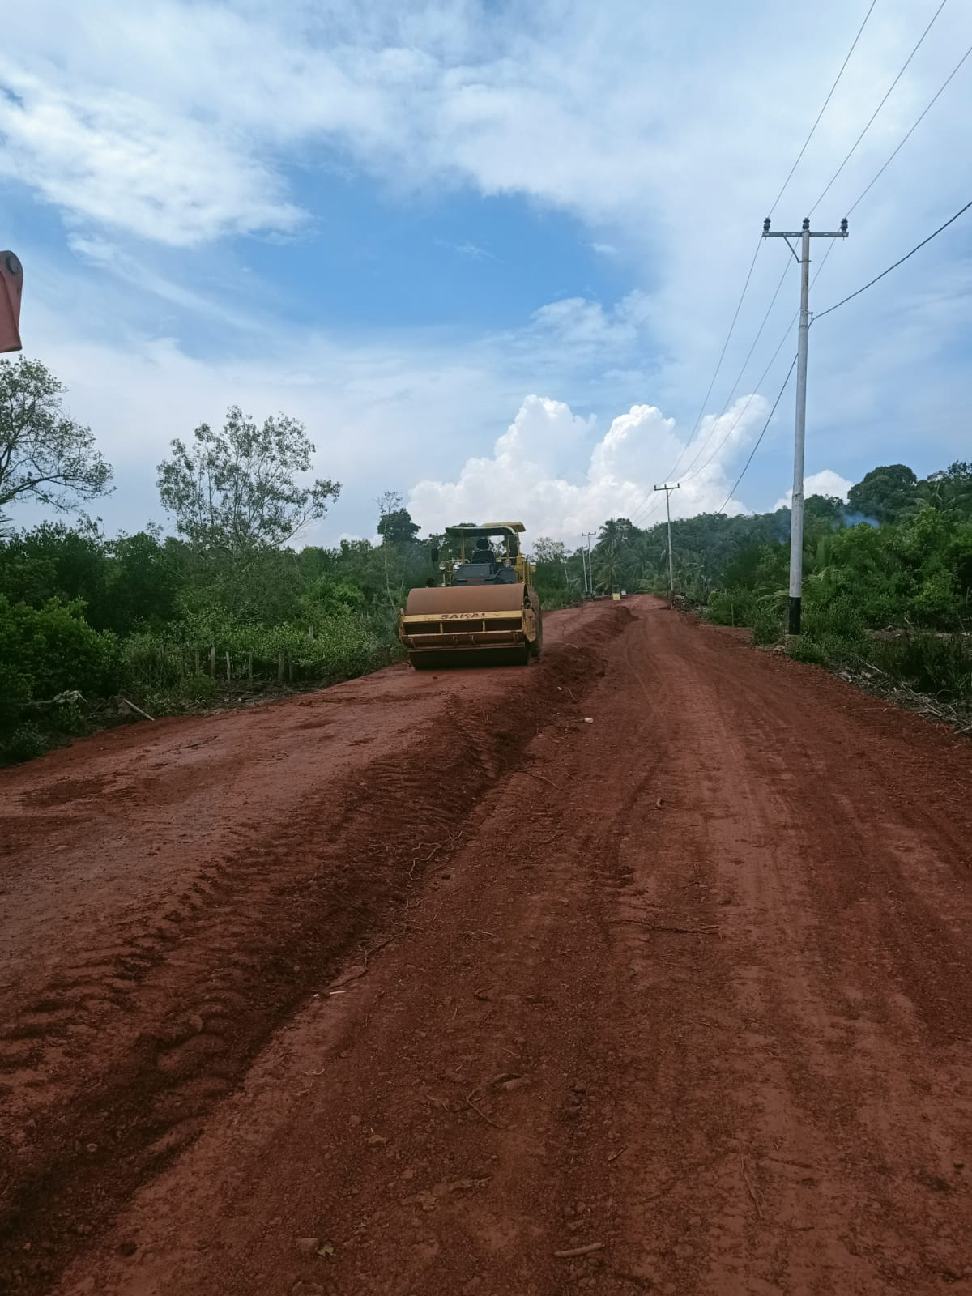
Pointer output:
525, 476
825, 482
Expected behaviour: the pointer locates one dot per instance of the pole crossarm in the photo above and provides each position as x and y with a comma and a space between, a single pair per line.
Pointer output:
795, 234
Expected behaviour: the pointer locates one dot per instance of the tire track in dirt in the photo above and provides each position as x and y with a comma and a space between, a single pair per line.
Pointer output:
680, 1006
821, 1098
511, 940
189, 1002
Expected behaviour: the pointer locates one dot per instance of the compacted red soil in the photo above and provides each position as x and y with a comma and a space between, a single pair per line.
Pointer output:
646, 969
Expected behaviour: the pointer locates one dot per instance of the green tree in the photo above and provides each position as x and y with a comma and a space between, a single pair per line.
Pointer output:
549, 551
395, 525
144, 575
53, 561
405, 561
824, 508
615, 556
557, 579
949, 490
885, 493
44, 455
240, 489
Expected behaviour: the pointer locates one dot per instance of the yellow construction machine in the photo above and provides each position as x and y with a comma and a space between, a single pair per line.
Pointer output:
484, 612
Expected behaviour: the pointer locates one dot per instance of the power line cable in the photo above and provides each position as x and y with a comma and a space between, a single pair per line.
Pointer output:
722, 355
914, 126
644, 515
759, 382
820, 198
779, 397
901, 260
830, 309
830, 95
918, 120
749, 400
864, 192
742, 369
651, 504
698, 420
870, 121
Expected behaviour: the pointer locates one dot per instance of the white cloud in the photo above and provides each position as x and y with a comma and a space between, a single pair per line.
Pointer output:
181, 123
377, 409
118, 161
825, 482
525, 478
176, 120
111, 259
367, 403
470, 251
585, 325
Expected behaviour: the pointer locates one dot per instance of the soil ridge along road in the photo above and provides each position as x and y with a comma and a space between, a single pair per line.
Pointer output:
645, 969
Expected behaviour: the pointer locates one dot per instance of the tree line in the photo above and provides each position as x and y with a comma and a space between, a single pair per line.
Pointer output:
887, 575
228, 600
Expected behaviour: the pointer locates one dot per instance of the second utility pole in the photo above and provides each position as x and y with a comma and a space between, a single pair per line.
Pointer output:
590, 569
800, 422
668, 514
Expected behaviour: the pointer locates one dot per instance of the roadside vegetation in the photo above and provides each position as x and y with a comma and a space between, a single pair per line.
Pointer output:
887, 597
226, 603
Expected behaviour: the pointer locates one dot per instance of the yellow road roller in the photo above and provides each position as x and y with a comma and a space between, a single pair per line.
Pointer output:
486, 610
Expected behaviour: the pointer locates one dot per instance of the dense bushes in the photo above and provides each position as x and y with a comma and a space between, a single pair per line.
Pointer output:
166, 670
45, 651
929, 663
169, 625
894, 597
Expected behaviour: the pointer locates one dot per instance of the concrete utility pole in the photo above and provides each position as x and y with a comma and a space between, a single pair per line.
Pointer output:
800, 422
668, 514
590, 569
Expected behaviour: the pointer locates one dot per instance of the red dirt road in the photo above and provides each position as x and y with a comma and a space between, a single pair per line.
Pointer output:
425, 985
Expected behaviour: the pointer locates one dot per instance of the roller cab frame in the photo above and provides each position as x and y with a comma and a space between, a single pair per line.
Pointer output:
485, 612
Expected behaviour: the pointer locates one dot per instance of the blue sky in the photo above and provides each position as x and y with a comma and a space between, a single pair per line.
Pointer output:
487, 252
